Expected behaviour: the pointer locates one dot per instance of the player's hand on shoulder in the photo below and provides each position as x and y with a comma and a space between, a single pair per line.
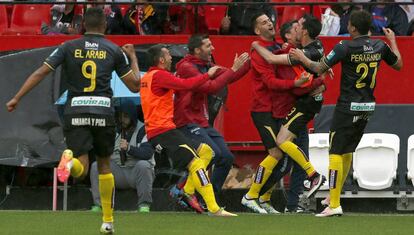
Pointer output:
239, 61
129, 50
296, 54
212, 71
389, 34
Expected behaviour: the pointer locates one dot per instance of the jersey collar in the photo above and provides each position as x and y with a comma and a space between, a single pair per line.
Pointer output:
94, 34
361, 36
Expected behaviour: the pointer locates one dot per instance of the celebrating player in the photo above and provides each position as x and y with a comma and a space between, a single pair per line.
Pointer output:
360, 59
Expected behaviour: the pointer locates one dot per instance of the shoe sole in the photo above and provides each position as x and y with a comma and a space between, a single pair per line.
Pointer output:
314, 189
62, 171
323, 216
253, 210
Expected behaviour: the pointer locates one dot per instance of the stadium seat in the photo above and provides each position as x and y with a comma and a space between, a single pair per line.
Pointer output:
293, 13
4, 22
214, 15
27, 19
375, 160
410, 159
319, 154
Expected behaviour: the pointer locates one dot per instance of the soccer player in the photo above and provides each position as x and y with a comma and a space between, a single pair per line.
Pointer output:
310, 100
360, 58
269, 93
89, 114
158, 86
191, 108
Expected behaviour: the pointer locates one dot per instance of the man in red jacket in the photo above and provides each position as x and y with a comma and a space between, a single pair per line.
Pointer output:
191, 107
273, 98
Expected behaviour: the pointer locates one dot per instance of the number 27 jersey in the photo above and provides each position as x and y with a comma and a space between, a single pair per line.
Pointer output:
360, 60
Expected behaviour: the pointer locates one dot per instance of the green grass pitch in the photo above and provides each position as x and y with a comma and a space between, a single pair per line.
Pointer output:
154, 223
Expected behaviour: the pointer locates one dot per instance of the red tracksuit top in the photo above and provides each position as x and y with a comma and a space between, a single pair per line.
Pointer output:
157, 98
273, 86
264, 79
190, 106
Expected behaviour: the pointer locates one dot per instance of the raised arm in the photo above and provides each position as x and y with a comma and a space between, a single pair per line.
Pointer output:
316, 67
268, 56
132, 79
268, 76
34, 79
389, 34
166, 80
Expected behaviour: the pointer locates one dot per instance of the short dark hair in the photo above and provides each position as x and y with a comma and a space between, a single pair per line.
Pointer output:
196, 41
285, 29
312, 25
253, 21
361, 20
94, 18
155, 53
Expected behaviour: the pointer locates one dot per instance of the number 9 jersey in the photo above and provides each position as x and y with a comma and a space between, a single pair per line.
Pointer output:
87, 66
360, 60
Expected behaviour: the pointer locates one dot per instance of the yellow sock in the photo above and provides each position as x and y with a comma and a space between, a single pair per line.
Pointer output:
206, 153
202, 184
77, 169
189, 186
335, 179
262, 174
347, 161
298, 155
107, 193
266, 196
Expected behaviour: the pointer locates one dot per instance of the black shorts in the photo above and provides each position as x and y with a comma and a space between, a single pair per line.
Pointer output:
346, 131
268, 127
176, 146
84, 132
296, 121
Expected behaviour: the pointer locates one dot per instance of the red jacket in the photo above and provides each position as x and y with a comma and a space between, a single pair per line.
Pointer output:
190, 106
265, 80
157, 95
284, 100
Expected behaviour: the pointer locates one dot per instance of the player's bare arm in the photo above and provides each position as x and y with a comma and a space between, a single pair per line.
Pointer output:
34, 79
389, 34
132, 80
269, 56
316, 67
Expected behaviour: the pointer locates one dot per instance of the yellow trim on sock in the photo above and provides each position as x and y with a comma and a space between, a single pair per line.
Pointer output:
77, 168
263, 172
107, 194
202, 184
206, 153
189, 186
335, 179
298, 156
347, 162
266, 196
